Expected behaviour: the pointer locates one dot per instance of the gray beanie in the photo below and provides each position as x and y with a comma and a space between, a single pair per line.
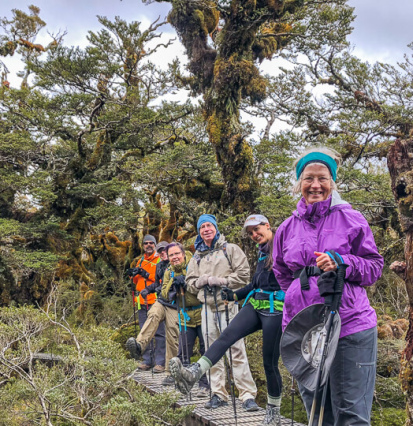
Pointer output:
149, 238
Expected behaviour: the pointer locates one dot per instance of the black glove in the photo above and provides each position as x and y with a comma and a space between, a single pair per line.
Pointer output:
326, 283
228, 294
179, 281
131, 272
144, 293
142, 273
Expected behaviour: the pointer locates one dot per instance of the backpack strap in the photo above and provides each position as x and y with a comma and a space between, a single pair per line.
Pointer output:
198, 258
224, 249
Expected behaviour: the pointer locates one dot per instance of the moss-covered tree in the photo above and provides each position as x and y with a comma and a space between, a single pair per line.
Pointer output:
225, 41
77, 141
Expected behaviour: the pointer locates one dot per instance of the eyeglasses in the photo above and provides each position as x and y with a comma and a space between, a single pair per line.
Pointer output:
311, 179
178, 253
148, 242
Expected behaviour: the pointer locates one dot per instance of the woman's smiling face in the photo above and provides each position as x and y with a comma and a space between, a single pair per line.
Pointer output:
260, 234
315, 183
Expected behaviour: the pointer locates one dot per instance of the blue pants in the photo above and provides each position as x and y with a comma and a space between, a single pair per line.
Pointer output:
157, 344
351, 382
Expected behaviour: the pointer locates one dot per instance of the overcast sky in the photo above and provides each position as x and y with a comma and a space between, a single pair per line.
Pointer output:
382, 29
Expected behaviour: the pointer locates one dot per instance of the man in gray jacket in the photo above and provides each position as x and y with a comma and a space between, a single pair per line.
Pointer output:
215, 264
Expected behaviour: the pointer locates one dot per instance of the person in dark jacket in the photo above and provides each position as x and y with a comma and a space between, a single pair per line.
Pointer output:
262, 310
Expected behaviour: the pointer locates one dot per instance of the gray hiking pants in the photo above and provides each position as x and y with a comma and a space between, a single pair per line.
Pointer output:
351, 382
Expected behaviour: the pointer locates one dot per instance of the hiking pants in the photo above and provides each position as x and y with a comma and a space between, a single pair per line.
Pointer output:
151, 324
247, 322
191, 334
242, 374
351, 382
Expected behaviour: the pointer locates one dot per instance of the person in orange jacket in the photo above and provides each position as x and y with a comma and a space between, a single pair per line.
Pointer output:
145, 266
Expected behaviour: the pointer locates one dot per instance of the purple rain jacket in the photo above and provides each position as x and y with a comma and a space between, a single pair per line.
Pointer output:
331, 224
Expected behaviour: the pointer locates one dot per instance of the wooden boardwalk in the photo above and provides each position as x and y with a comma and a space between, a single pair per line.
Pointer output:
222, 416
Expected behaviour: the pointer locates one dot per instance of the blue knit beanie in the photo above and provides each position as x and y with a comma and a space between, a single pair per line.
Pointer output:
206, 218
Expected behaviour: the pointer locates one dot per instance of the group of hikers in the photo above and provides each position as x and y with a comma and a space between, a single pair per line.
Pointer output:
198, 295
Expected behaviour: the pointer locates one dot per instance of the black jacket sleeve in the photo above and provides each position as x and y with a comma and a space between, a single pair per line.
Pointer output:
152, 288
243, 292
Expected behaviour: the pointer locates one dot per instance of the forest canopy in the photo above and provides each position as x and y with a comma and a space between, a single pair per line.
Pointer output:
93, 155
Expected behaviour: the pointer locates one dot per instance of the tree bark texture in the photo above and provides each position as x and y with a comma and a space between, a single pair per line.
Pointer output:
226, 75
400, 164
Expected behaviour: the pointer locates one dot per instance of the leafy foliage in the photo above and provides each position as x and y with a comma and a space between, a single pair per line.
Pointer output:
90, 384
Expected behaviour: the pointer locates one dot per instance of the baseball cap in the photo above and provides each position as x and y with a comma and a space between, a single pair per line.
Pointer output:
161, 246
253, 220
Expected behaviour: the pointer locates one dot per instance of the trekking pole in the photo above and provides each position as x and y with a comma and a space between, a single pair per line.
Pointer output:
333, 301
326, 329
206, 289
181, 338
184, 340
323, 402
339, 287
147, 312
185, 335
178, 308
225, 358
230, 363
133, 303
292, 400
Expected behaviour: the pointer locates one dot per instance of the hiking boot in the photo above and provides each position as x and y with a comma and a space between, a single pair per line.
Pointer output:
168, 381
185, 377
250, 405
215, 402
272, 416
159, 369
144, 367
202, 392
134, 348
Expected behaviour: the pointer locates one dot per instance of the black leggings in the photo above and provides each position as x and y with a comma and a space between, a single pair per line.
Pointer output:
246, 322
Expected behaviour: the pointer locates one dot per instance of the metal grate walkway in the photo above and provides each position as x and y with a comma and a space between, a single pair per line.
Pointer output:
222, 416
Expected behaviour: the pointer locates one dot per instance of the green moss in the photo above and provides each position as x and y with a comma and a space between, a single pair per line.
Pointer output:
388, 417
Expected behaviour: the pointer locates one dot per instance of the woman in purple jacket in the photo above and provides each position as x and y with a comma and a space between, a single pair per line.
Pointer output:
323, 222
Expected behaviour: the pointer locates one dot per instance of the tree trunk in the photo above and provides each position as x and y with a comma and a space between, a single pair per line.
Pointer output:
400, 163
225, 76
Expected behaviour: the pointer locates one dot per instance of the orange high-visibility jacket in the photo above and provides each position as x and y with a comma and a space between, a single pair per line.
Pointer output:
148, 263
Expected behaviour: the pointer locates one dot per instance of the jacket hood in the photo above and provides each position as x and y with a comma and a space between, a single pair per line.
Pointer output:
314, 211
